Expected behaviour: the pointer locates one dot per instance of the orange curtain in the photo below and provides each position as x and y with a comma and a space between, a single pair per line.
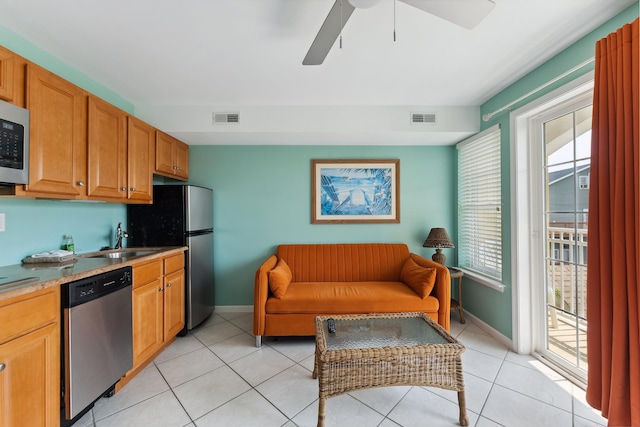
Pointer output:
613, 301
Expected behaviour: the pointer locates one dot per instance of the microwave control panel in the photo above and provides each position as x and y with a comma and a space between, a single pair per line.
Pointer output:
11, 145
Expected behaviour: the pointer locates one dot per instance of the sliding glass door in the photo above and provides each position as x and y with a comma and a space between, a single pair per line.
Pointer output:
565, 171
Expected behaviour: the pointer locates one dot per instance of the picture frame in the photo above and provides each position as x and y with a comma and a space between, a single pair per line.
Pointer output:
356, 191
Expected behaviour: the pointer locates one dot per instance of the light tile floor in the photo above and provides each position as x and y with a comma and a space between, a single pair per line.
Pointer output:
215, 376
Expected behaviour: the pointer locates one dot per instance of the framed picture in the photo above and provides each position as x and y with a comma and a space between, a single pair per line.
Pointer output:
355, 191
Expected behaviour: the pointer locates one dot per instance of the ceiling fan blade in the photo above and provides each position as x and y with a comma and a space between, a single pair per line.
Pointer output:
465, 13
328, 33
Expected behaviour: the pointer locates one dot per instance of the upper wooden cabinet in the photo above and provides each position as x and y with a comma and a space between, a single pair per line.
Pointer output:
182, 160
7, 68
121, 150
172, 157
141, 149
82, 147
58, 151
107, 150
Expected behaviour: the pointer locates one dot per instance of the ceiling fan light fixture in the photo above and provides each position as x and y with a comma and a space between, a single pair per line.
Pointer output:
364, 4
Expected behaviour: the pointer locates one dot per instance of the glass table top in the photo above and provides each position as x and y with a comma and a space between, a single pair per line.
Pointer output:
381, 332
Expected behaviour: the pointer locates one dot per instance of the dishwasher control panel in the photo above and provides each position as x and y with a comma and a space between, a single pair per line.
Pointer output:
90, 288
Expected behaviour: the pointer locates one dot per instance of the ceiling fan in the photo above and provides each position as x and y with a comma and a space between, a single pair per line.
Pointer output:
465, 13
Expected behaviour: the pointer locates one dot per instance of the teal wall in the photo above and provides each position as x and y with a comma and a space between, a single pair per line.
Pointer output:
38, 225
493, 307
34, 226
26, 49
262, 197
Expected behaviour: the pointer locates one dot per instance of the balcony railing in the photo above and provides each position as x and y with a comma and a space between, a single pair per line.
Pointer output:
567, 269
567, 280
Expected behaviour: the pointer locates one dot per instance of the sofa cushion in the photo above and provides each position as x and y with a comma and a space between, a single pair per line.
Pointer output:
350, 298
279, 278
345, 262
420, 279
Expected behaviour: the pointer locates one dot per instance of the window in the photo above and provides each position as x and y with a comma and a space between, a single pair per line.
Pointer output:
584, 182
480, 204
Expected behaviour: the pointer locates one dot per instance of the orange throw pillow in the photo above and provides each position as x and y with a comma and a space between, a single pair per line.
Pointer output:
420, 279
279, 279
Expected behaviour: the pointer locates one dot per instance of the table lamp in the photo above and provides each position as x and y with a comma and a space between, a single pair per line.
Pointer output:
438, 238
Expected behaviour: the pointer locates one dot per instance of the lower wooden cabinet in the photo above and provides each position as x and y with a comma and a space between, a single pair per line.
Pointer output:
173, 303
30, 359
147, 320
158, 309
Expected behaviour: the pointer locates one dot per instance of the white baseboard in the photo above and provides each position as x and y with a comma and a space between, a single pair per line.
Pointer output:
233, 309
490, 330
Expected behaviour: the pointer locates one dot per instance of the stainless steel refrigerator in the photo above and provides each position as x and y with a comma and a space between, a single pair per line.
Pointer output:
181, 215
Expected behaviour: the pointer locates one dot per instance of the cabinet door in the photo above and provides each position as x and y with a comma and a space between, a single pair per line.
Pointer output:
141, 157
182, 160
107, 150
173, 304
7, 67
172, 157
147, 320
58, 146
164, 153
29, 382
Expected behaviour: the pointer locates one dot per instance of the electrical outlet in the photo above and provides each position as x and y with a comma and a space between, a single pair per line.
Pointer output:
1, 222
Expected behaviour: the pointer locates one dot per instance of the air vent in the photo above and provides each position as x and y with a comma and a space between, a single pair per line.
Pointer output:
417, 118
226, 118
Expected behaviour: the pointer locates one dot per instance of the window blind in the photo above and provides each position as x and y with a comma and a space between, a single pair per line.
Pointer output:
480, 203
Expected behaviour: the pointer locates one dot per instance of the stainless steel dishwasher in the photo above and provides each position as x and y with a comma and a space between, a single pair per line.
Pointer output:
97, 347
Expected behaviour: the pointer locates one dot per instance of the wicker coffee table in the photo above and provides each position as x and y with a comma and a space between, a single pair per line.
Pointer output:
379, 350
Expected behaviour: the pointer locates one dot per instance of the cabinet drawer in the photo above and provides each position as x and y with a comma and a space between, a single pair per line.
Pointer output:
174, 263
145, 273
28, 312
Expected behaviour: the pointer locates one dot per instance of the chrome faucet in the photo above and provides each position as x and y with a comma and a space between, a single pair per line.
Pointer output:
120, 234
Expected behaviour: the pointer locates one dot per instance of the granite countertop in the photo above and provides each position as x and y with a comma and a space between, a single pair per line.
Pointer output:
21, 279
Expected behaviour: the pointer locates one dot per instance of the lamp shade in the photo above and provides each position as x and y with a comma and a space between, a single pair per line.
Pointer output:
438, 238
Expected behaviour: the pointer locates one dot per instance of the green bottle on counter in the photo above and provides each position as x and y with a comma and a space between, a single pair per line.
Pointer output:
67, 243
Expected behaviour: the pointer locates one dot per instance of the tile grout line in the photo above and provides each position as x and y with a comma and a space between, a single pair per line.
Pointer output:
174, 394
254, 388
300, 362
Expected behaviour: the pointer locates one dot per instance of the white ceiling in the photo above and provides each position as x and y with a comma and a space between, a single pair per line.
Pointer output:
179, 61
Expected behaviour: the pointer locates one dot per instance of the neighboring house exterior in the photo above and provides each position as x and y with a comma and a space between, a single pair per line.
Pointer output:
568, 211
565, 208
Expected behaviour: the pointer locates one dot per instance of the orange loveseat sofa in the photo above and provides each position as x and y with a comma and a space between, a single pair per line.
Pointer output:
302, 281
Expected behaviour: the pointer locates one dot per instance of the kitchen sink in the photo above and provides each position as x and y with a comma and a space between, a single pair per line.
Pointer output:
127, 254
123, 253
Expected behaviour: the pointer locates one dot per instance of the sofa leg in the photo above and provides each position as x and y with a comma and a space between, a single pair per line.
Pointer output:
258, 341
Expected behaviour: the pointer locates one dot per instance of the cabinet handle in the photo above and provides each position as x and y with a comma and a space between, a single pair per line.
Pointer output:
159, 289
80, 183
123, 188
133, 188
2, 366
168, 285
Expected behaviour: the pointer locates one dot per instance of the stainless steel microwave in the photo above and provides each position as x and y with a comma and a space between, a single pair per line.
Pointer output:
14, 144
